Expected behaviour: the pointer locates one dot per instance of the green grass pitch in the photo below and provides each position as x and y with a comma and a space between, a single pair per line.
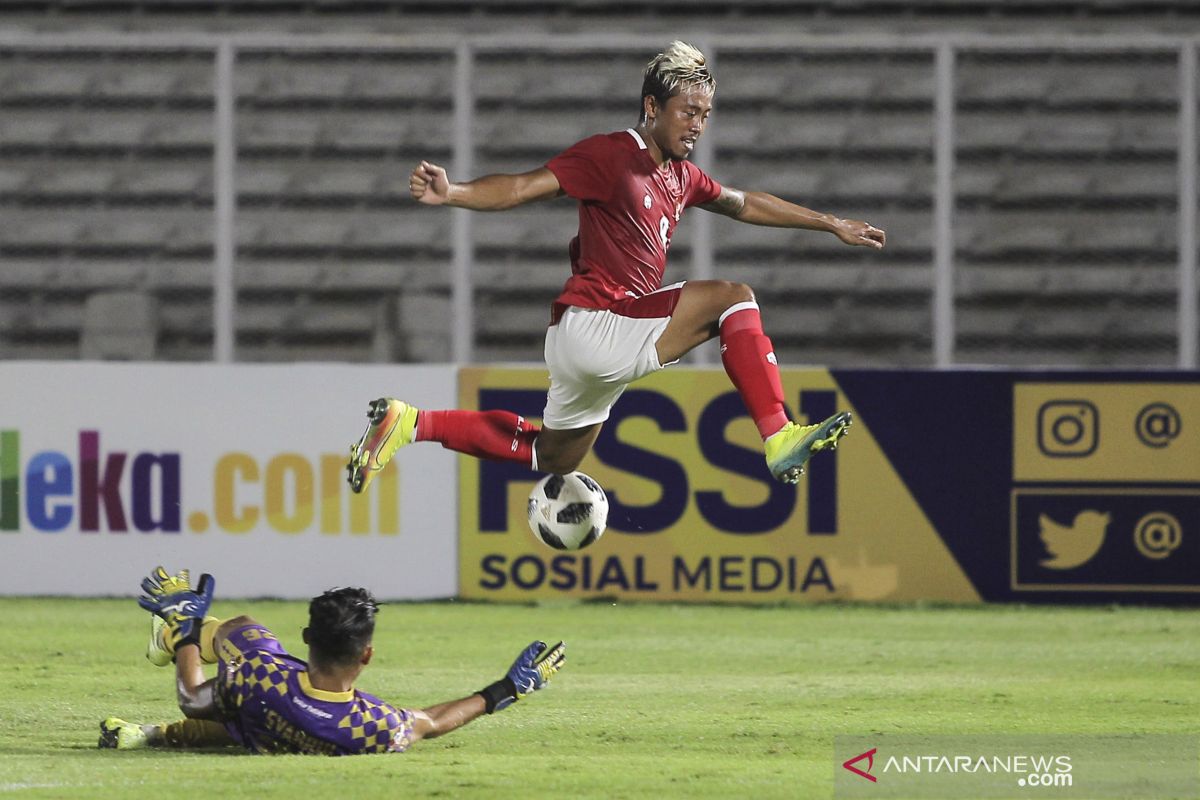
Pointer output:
655, 701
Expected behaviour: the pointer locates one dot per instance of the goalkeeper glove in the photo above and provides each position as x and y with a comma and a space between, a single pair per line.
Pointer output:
529, 672
182, 608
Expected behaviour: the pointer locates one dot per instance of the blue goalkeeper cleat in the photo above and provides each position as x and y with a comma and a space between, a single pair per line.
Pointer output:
789, 449
393, 425
117, 734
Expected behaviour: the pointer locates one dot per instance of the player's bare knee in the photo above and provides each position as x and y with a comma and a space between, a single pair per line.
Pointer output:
740, 293
558, 463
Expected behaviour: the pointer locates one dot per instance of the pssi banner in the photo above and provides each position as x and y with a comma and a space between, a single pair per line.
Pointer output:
109, 469
956, 486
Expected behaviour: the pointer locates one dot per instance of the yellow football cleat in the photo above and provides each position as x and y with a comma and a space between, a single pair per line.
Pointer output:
157, 651
117, 734
393, 425
789, 449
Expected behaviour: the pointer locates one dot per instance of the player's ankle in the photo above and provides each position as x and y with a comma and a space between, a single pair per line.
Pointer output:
155, 735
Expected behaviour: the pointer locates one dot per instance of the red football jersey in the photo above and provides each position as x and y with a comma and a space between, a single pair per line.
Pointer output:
628, 208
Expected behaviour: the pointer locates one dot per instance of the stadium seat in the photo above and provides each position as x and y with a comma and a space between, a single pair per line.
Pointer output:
1149, 134
329, 182
1125, 232
258, 129
988, 131
822, 133
878, 182
1070, 134
363, 131
296, 230
426, 78
368, 276
419, 313
67, 182
294, 78
182, 276
548, 132
980, 84
539, 79
544, 227
975, 181
42, 231
908, 83
384, 230
538, 275
258, 180
894, 132
745, 81
1150, 181
23, 275
119, 326
1088, 84
108, 129
840, 86
45, 81
521, 318
191, 130
15, 177
25, 129
134, 81
1014, 233
97, 275
782, 177
981, 282
178, 182
1043, 182
274, 277
739, 134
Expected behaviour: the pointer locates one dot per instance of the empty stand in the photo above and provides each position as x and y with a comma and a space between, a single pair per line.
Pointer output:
119, 326
1065, 183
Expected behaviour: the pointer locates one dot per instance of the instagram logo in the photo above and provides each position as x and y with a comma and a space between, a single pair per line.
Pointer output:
1068, 428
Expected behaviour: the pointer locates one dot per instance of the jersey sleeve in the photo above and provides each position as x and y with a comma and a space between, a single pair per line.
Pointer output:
583, 169
701, 188
400, 730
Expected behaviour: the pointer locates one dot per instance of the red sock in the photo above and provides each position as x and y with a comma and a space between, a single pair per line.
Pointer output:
749, 360
494, 435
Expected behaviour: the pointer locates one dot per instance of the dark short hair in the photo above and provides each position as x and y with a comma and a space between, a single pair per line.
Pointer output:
341, 623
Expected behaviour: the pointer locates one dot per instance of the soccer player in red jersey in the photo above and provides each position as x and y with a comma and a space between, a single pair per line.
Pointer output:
614, 321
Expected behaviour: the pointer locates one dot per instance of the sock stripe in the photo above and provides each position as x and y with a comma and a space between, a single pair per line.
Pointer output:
748, 305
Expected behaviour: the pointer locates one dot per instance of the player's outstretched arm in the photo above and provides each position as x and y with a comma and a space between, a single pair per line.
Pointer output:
761, 208
441, 719
428, 184
532, 670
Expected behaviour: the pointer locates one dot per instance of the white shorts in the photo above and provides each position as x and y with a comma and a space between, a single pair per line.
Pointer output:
593, 354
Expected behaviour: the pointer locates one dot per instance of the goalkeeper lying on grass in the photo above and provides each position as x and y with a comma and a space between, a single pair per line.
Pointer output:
271, 702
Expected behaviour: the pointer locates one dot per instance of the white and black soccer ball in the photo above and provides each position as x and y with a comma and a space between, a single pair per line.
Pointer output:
568, 512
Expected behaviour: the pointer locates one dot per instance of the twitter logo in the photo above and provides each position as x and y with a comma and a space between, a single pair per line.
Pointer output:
1074, 544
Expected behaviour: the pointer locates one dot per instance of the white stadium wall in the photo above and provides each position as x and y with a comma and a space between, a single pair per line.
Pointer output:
109, 469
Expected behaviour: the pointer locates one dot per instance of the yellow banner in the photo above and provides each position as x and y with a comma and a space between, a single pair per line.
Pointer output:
694, 514
1113, 432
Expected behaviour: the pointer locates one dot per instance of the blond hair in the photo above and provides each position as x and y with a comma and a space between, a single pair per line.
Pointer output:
678, 67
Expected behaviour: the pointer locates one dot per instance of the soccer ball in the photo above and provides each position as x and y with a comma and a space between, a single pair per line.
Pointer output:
567, 512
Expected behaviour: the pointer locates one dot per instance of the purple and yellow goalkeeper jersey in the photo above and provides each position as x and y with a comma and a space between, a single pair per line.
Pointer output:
267, 704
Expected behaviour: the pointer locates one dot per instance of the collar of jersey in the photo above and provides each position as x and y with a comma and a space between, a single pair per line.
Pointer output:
637, 137
321, 694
